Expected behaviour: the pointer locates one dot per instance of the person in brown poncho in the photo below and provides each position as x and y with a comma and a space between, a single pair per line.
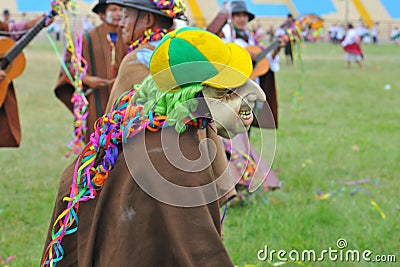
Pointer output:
144, 24
144, 191
103, 50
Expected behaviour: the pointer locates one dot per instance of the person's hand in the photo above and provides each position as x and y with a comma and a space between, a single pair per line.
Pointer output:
49, 21
33, 22
284, 40
2, 74
96, 82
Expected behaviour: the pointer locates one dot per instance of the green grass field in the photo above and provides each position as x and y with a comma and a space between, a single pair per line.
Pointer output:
347, 130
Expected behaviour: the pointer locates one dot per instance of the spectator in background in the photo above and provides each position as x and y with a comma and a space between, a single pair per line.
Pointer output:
332, 33
56, 29
363, 33
6, 17
288, 47
278, 32
375, 32
270, 33
86, 23
259, 34
340, 32
395, 35
351, 45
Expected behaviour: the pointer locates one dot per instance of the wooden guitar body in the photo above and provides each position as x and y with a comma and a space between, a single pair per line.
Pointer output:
13, 70
12, 60
261, 66
258, 56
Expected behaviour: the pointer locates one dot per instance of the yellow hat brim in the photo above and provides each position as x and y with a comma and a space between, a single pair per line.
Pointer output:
235, 73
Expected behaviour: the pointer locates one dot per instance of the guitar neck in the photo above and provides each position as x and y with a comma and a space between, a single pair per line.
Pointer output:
23, 42
273, 46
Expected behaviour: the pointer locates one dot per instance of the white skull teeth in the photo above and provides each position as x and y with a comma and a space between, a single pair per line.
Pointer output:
245, 114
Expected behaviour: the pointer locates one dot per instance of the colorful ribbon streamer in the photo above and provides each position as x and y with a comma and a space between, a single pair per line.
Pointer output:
148, 36
75, 71
376, 206
296, 42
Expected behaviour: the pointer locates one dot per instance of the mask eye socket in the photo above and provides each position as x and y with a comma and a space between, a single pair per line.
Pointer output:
220, 93
229, 93
223, 93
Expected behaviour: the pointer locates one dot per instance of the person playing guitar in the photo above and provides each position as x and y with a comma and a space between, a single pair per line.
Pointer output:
12, 64
12, 28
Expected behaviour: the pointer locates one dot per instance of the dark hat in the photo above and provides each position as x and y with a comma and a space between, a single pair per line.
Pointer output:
6, 12
173, 9
240, 6
97, 6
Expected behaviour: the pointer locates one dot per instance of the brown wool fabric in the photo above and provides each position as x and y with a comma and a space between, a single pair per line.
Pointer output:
10, 129
124, 226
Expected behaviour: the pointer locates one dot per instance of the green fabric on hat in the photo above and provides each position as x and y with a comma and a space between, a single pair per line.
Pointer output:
184, 56
167, 37
184, 29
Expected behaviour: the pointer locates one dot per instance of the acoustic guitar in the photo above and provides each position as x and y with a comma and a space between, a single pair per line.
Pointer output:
258, 56
12, 60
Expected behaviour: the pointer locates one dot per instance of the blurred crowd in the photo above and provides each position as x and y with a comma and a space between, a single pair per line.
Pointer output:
335, 33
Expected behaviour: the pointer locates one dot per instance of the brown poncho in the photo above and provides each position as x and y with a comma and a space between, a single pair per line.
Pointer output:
124, 226
10, 129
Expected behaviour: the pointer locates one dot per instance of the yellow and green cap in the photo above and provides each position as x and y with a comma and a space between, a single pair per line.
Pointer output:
191, 56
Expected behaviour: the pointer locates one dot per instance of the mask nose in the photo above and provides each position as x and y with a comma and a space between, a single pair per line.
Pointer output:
251, 92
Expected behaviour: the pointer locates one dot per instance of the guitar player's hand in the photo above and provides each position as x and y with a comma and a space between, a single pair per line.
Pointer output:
284, 40
2, 75
96, 82
33, 22
49, 21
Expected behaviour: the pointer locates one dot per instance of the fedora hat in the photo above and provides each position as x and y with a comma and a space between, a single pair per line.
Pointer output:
97, 4
170, 9
240, 6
